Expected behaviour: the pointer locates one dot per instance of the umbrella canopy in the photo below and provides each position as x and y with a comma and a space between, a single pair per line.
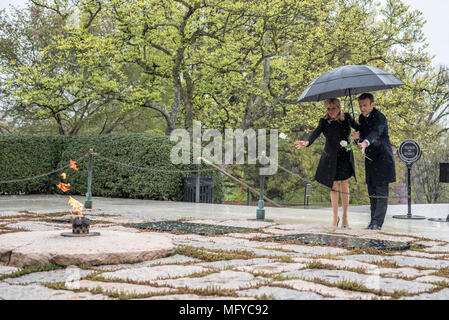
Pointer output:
348, 80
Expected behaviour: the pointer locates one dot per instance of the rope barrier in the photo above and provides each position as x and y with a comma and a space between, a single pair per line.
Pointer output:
313, 183
238, 181
44, 174
104, 158
147, 169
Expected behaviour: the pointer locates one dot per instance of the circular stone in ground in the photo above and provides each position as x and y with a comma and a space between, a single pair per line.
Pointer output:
22, 249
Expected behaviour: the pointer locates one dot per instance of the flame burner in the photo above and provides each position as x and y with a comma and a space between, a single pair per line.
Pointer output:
80, 225
80, 228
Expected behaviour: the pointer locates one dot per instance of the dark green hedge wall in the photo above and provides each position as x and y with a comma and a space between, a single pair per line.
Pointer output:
24, 156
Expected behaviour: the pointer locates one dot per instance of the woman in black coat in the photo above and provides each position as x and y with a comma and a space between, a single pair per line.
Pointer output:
336, 164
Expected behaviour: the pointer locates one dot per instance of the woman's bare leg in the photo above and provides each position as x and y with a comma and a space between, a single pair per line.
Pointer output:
345, 201
334, 202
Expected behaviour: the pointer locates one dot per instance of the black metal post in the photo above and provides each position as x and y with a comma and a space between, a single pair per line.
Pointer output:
88, 202
197, 189
260, 208
307, 195
409, 198
409, 191
248, 197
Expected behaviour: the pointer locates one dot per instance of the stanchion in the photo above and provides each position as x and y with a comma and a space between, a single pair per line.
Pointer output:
260, 208
88, 202
197, 189
307, 195
409, 215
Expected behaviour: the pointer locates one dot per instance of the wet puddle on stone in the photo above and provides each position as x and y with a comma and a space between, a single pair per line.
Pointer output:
342, 242
187, 227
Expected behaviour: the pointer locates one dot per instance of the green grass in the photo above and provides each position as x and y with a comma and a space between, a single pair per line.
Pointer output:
265, 297
441, 284
372, 251
358, 287
213, 255
31, 269
112, 294
286, 259
325, 266
386, 264
443, 272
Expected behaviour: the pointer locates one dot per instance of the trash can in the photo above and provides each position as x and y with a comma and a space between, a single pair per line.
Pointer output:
206, 189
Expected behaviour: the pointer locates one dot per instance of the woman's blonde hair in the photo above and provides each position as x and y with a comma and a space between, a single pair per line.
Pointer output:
336, 103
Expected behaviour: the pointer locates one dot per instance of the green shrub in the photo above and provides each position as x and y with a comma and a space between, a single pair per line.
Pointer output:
25, 156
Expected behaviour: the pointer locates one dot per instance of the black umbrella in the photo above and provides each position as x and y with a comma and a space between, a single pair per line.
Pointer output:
348, 80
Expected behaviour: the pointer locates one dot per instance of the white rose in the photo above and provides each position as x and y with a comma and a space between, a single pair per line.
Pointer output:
282, 136
343, 143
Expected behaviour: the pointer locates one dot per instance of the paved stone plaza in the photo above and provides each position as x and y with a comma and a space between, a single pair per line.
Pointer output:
240, 265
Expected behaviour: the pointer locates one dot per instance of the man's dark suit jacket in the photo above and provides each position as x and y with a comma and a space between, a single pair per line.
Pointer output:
380, 170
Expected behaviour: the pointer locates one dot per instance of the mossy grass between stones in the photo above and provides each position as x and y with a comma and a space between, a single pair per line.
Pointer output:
386, 264
31, 269
112, 294
265, 297
355, 286
372, 251
441, 284
326, 266
417, 238
443, 272
214, 255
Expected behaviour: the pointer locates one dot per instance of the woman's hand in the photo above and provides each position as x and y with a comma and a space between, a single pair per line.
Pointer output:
301, 144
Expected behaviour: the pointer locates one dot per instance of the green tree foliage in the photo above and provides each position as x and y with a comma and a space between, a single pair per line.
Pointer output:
59, 70
426, 184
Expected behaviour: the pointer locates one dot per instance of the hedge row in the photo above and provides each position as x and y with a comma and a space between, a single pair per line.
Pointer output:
24, 156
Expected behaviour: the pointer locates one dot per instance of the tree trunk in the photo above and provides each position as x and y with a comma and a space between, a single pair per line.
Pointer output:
187, 98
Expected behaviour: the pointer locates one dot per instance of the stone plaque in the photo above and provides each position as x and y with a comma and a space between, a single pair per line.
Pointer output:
409, 152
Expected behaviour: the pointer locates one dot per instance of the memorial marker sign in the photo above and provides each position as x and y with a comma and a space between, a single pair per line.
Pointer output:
409, 152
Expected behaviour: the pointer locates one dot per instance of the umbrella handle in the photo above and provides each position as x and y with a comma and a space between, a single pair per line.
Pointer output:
350, 102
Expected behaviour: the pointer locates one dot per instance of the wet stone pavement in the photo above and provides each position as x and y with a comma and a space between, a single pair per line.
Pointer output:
244, 259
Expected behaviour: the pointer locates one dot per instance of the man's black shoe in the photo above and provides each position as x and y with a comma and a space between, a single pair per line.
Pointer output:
376, 227
369, 227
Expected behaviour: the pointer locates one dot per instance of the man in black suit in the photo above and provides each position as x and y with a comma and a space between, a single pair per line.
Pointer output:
379, 162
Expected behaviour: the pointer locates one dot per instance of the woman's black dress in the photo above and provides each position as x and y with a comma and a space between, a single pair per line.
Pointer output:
344, 168
336, 163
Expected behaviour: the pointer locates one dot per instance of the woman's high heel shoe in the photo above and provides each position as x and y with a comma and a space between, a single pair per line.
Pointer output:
338, 221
